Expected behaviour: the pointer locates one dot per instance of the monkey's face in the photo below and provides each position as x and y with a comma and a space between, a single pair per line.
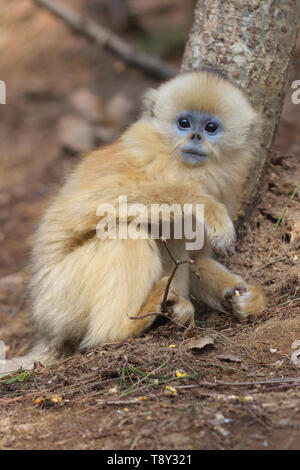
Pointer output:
197, 132
202, 118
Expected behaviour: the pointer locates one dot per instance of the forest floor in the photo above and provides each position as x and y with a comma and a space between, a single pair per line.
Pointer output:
220, 385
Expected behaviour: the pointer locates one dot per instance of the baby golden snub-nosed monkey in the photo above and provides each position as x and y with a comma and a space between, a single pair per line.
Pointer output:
191, 146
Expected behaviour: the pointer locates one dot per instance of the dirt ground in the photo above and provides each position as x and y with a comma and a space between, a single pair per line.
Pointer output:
220, 385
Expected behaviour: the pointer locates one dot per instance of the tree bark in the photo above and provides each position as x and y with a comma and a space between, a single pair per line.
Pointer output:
253, 42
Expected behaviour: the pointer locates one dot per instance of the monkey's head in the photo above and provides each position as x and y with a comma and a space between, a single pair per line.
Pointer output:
201, 117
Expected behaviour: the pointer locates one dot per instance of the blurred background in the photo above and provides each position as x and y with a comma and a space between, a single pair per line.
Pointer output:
66, 96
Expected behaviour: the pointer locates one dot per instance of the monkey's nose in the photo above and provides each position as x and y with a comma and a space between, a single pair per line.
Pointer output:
195, 137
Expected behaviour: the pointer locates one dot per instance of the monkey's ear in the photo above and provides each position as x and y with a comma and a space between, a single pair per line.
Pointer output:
149, 101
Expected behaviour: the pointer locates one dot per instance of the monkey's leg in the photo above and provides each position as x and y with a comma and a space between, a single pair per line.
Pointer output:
126, 273
85, 298
214, 285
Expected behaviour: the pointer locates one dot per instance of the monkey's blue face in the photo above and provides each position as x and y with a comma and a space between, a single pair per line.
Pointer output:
197, 127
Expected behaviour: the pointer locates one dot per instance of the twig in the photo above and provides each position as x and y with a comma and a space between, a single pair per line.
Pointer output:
149, 314
277, 388
101, 403
289, 301
256, 418
130, 401
285, 380
177, 264
108, 40
164, 311
134, 442
275, 260
133, 388
222, 366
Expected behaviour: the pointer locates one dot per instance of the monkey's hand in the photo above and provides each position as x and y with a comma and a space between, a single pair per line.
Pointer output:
244, 300
219, 228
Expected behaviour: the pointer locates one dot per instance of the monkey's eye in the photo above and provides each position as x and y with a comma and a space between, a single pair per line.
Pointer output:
211, 127
184, 123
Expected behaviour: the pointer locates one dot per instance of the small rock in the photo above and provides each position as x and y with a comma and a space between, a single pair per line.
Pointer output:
229, 358
75, 134
104, 134
295, 357
221, 431
119, 109
88, 105
218, 419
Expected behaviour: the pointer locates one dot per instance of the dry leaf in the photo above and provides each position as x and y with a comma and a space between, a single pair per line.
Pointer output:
195, 343
229, 357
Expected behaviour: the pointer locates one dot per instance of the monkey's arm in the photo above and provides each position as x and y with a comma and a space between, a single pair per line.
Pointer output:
81, 214
218, 225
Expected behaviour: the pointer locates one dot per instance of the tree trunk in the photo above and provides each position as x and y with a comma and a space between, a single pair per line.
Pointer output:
253, 42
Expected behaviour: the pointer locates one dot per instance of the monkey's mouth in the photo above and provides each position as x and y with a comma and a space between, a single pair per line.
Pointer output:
193, 156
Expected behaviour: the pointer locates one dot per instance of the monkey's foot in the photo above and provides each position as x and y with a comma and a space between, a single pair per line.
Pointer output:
244, 300
180, 309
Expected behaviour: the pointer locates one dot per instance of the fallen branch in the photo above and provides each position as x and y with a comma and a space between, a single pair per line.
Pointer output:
122, 402
275, 260
164, 309
108, 40
284, 380
149, 314
177, 264
256, 418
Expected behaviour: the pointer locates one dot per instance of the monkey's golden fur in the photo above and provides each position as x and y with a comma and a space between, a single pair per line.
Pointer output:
83, 288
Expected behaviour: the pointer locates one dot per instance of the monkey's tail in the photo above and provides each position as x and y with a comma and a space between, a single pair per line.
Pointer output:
40, 353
